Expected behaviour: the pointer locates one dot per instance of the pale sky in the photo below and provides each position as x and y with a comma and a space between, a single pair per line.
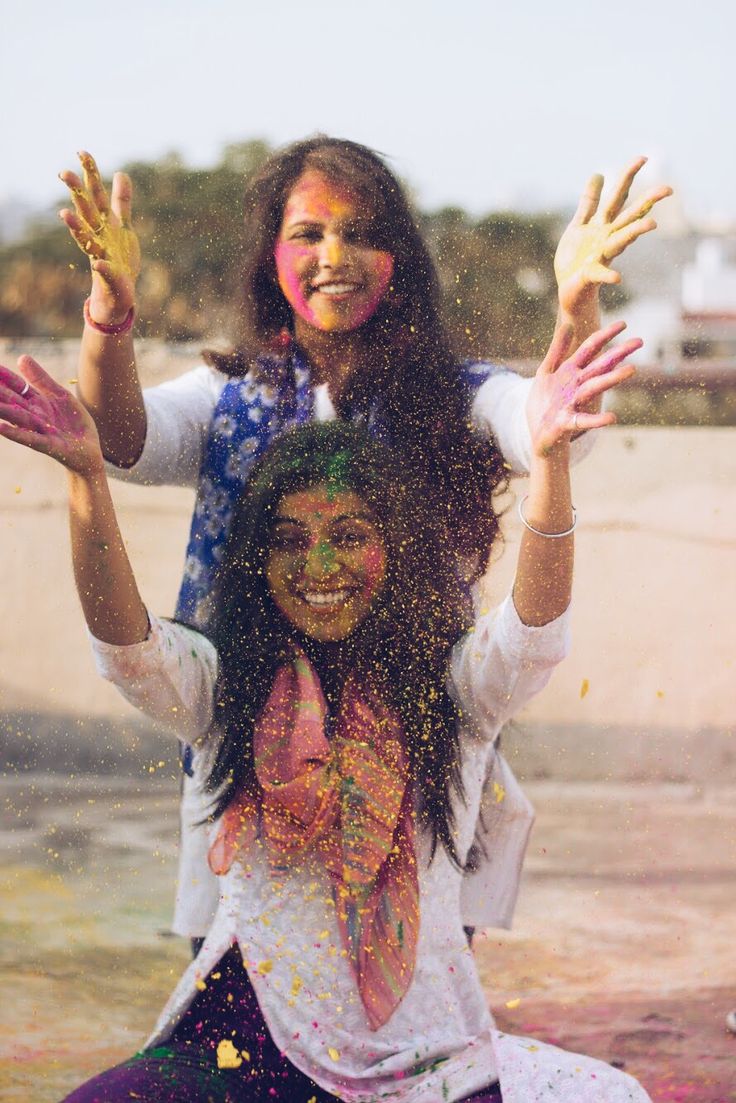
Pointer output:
475, 102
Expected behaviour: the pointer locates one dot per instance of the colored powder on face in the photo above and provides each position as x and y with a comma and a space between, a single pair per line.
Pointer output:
326, 556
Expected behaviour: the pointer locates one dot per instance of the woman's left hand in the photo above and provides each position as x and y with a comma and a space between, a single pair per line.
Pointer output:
595, 237
564, 385
39, 413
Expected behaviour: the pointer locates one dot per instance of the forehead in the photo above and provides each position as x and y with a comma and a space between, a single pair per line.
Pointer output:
320, 504
317, 198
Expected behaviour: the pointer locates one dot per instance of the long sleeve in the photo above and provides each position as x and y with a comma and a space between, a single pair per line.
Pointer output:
178, 416
501, 664
170, 676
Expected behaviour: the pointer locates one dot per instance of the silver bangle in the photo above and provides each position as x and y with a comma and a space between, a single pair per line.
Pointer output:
549, 535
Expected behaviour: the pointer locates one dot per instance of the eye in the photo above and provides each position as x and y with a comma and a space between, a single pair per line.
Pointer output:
360, 233
288, 540
352, 537
306, 233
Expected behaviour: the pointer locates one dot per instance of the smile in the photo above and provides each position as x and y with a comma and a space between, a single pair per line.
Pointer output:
336, 288
325, 599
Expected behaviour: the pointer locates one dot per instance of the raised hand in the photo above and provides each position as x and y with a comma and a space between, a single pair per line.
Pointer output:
39, 413
596, 235
102, 229
564, 385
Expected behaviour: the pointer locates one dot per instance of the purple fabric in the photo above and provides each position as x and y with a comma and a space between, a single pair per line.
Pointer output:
185, 1069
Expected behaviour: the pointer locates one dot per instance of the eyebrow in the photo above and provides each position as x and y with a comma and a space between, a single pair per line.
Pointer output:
355, 220
281, 519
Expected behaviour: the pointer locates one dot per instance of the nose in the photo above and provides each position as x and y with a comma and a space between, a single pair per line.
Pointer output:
321, 561
332, 252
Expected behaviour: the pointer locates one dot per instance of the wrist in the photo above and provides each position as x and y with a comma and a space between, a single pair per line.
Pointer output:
91, 475
555, 458
583, 313
111, 323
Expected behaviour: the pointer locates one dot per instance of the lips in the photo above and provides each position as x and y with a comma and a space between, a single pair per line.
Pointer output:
336, 288
326, 600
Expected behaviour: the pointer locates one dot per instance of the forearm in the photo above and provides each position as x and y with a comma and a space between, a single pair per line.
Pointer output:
109, 388
107, 589
543, 584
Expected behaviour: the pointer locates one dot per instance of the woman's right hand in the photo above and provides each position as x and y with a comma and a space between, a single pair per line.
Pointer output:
39, 413
101, 227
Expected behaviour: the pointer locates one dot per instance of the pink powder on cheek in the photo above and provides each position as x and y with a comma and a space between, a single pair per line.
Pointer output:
375, 570
286, 256
385, 270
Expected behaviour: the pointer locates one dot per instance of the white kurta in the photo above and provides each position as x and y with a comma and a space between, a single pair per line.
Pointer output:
440, 1044
179, 415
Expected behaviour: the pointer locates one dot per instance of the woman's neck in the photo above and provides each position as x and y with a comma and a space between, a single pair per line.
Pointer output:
334, 357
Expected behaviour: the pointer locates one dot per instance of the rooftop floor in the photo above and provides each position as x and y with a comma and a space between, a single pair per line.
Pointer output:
623, 945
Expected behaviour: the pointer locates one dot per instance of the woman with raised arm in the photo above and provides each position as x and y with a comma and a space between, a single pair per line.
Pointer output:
340, 317
346, 706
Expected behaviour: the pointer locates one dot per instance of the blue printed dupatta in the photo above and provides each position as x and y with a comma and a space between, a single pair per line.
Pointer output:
252, 410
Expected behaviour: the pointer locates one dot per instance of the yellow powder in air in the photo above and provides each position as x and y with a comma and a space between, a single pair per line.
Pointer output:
227, 1055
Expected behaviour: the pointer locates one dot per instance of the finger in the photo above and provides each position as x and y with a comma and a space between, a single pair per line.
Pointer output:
11, 381
81, 233
610, 358
623, 238
642, 207
39, 379
82, 200
591, 347
589, 200
122, 197
558, 349
594, 388
104, 269
621, 192
93, 182
14, 413
584, 421
600, 273
76, 226
29, 437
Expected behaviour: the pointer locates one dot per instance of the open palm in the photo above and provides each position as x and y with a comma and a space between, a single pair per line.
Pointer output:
101, 227
596, 235
39, 413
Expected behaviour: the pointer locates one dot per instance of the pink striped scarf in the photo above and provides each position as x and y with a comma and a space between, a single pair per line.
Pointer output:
349, 800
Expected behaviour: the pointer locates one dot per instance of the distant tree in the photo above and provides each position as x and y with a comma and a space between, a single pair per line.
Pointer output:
497, 280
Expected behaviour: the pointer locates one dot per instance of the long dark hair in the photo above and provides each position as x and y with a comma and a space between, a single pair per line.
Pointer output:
401, 648
409, 368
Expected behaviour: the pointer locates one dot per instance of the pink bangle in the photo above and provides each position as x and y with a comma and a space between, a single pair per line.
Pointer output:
113, 330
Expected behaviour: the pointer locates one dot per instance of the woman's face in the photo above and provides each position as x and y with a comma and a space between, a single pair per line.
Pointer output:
328, 270
326, 562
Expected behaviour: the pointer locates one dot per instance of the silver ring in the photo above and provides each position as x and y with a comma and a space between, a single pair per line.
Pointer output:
575, 427
25, 390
